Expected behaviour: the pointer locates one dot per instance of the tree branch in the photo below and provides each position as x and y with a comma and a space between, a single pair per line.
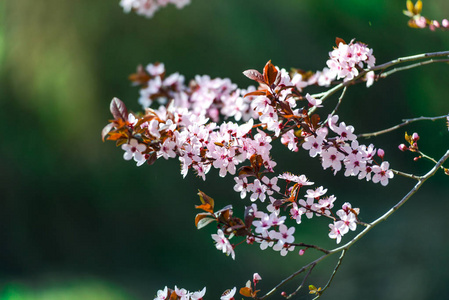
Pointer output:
405, 122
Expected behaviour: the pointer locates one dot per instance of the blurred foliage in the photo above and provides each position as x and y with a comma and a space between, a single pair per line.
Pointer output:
70, 204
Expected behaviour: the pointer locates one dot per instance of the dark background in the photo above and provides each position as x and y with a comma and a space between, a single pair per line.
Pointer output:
79, 222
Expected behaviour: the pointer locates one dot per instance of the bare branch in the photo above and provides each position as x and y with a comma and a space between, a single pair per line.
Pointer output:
302, 283
342, 255
405, 122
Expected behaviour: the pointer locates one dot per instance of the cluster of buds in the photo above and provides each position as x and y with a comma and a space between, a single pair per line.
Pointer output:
148, 8
418, 21
413, 143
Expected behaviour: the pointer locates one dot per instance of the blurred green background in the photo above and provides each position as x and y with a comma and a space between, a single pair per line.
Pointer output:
79, 222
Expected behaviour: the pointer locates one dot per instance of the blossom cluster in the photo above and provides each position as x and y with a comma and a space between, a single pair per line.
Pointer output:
180, 121
345, 62
344, 151
347, 59
148, 8
203, 96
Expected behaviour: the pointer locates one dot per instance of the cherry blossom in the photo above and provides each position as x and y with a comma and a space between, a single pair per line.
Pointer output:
382, 173
228, 294
223, 244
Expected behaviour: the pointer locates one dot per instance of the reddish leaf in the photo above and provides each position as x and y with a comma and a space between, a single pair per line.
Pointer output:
254, 75
118, 109
106, 130
339, 40
246, 171
152, 159
205, 199
257, 162
206, 207
173, 296
270, 73
141, 77
256, 93
315, 120
246, 291
143, 120
249, 216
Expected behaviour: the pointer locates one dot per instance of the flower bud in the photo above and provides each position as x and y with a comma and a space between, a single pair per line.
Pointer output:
415, 137
284, 294
416, 158
445, 23
256, 278
403, 147
302, 251
380, 153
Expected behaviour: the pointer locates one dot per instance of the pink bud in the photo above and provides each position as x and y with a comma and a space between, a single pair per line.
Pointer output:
445, 23
256, 278
302, 251
380, 153
284, 294
436, 24
416, 158
415, 137
403, 147
421, 22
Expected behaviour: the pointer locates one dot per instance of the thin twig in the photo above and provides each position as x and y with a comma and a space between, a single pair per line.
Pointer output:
384, 75
342, 255
412, 176
302, 283
340, 99
405, 122
316, 261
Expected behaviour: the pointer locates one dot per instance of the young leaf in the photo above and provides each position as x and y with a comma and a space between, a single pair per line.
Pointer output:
118, 109
205, 199
256, 93
246, 291
410, 7
203, 222
254, 75
106, 130
418, 7
339, 40
270, 73
141, 77
206, 207
152, 159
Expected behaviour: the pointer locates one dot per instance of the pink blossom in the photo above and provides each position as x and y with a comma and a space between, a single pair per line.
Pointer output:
162, 294
223, 244
258, 190
198, 295
228, 294
338, 229
134, 150
382, 173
